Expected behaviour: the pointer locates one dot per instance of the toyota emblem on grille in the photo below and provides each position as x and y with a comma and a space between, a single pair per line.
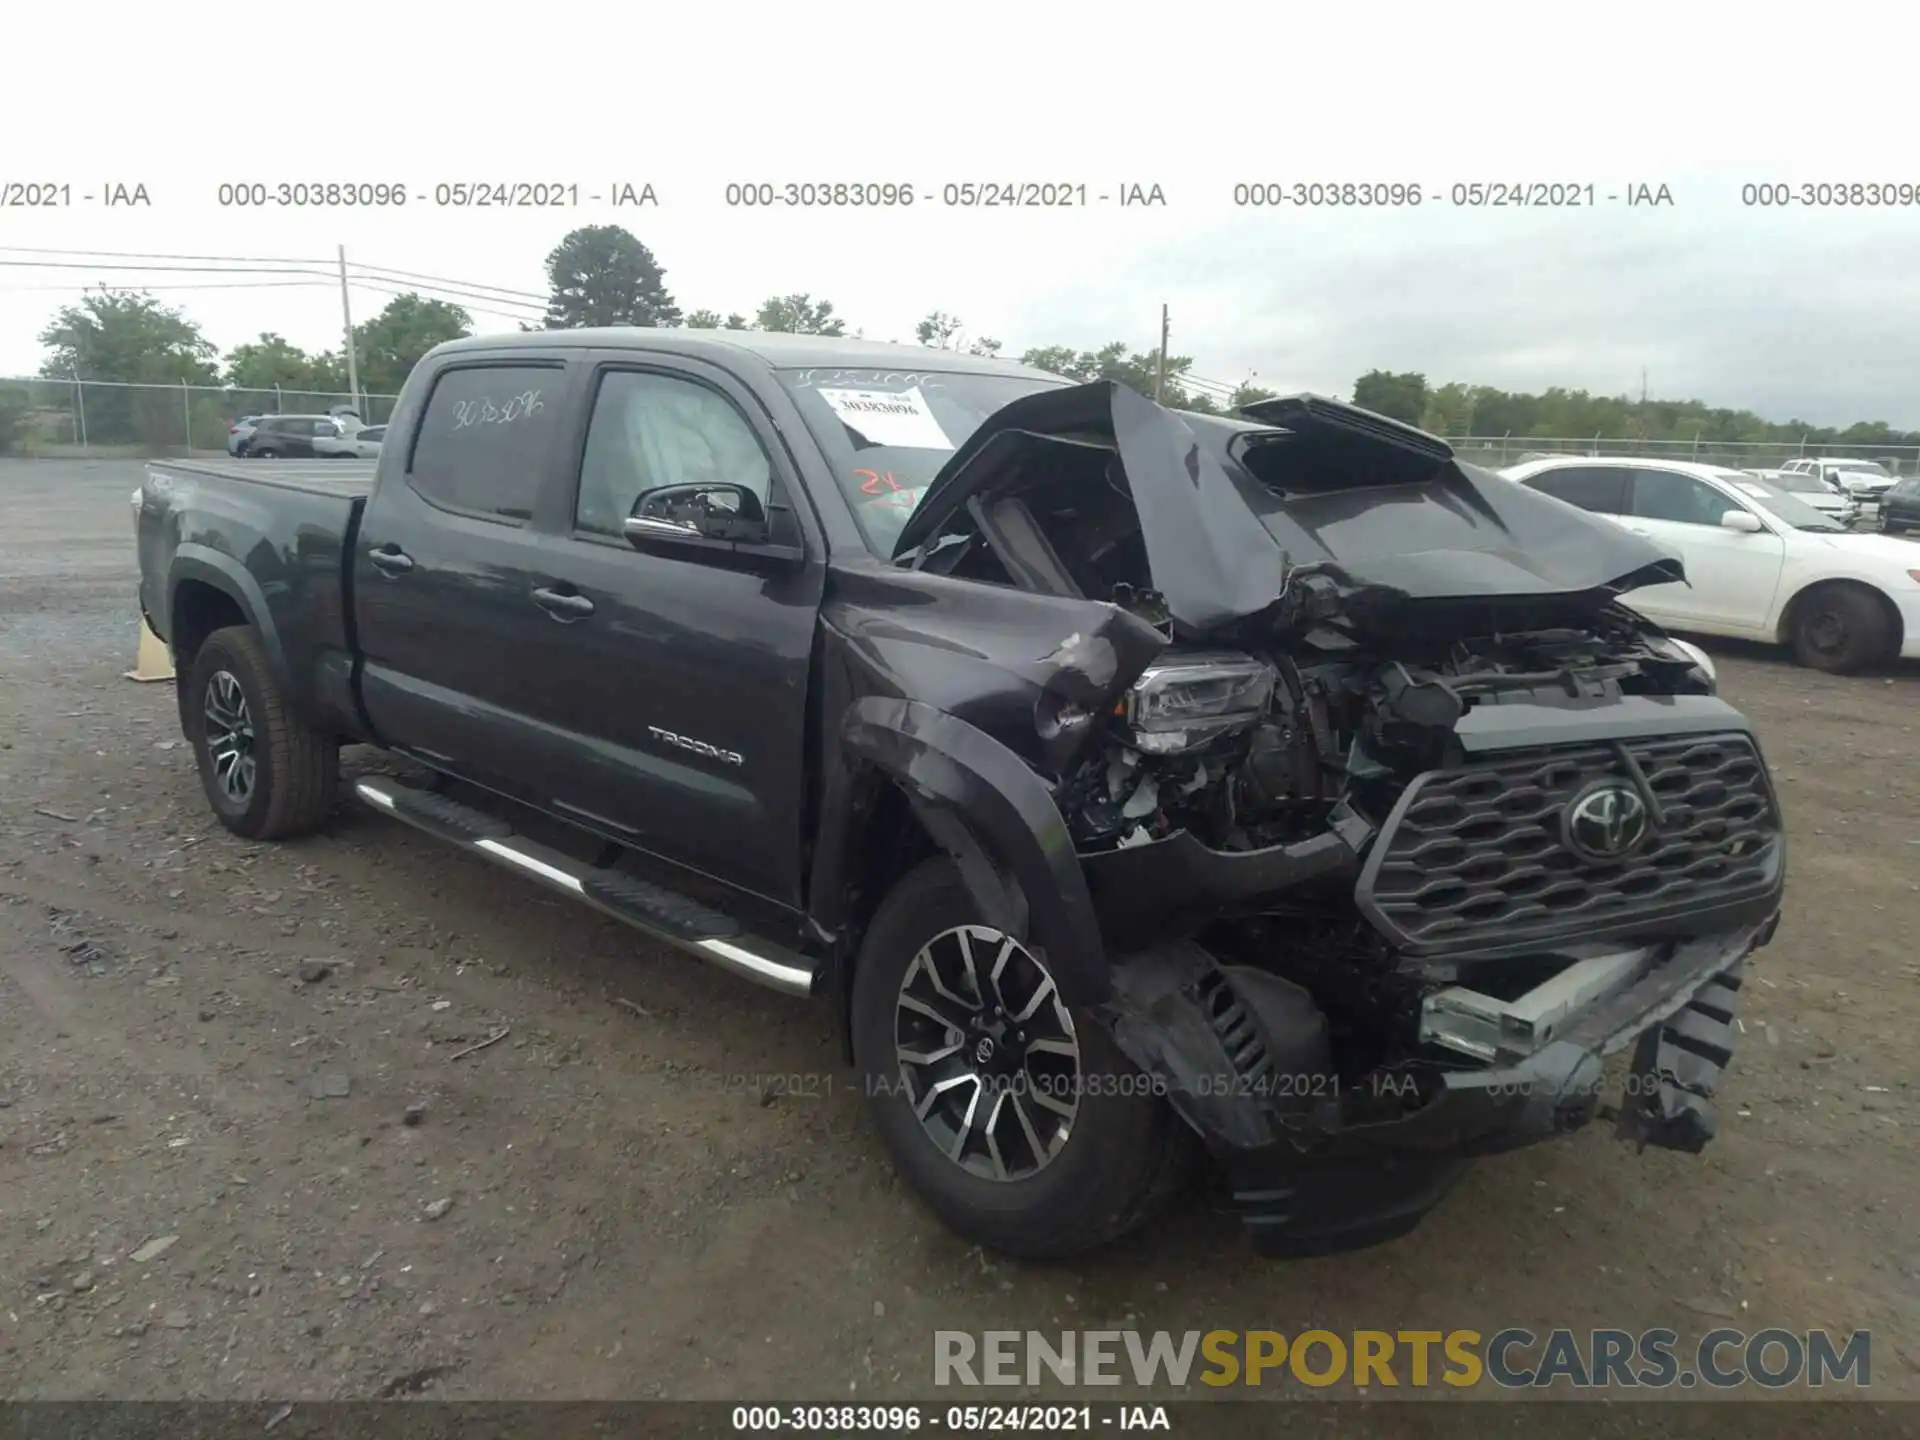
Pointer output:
1607, 822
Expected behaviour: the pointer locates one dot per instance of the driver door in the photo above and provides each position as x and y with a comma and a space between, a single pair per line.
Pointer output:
1732, 574
678, 678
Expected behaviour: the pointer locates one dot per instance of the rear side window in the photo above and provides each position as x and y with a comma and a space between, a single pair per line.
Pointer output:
482, 446
1592, 487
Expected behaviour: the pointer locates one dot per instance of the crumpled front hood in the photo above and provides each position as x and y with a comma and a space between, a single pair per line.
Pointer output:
1390, 512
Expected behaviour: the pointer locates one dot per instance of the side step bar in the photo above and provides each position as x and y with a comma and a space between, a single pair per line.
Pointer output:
666, 916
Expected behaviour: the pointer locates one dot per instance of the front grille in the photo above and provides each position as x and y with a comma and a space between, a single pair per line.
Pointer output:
1476, 857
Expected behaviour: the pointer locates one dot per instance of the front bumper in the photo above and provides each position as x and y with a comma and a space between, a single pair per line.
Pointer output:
1306, 1179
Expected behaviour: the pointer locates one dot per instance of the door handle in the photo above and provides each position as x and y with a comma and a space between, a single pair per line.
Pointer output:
563, 605
391, 559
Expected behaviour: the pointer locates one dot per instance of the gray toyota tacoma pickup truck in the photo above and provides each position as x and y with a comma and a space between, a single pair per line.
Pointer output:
1129, 786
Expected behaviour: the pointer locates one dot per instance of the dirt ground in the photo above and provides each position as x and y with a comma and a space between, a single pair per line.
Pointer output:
602, 1204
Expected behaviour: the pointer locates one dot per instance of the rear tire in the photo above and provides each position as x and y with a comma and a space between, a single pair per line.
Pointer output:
263, 454
1120, 1156
1840, 629
267, 774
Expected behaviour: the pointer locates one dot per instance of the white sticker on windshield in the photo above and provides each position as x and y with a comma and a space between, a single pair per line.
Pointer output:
1755, 491
889, 417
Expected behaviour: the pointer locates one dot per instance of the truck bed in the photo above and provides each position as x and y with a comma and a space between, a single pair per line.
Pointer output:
346, 478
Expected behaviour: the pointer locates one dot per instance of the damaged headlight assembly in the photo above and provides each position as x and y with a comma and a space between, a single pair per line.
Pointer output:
1193, 700
1699, 657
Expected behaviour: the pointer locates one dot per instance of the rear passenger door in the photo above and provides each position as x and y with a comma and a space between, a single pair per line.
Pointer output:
456, 646
1601, 489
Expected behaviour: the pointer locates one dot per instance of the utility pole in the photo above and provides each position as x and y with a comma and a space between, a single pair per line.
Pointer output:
1160, 370
346, 320
1643, 387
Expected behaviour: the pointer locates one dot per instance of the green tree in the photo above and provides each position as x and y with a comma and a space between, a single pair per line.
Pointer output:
388, 346
1114, 362
1247, 393
127, 336
131, 338
603, 275
1398, 397
983, 346
16, 413
269, 361
937, 329
703, 320
799, 315
737, 321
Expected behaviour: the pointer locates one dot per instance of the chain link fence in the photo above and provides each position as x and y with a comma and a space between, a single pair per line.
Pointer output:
1495, 451
101, 418
55, 418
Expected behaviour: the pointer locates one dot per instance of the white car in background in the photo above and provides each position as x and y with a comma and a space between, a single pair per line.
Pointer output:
1761, 565
360, 444
1862, 480
1812, 491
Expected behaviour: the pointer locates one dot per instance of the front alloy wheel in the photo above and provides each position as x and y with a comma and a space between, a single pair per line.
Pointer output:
987, 1052
1003, 1100
229, 738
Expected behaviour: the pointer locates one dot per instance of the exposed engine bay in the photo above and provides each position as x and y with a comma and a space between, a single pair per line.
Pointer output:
1404, 753
1252, 750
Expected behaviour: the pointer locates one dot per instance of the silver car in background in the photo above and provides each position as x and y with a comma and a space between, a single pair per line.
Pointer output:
1813, 492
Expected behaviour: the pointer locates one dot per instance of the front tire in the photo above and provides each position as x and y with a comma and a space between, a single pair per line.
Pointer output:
1003, 1103
1840, 629
267, 774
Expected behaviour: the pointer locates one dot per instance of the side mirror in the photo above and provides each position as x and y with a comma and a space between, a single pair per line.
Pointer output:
1745, 521
716, 511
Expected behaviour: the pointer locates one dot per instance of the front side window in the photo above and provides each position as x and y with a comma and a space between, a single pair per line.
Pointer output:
483, 441
1669, 495
649, 431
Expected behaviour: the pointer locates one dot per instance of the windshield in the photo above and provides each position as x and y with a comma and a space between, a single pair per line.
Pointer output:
1798, 483
1781, 505
1858, 467
886, 433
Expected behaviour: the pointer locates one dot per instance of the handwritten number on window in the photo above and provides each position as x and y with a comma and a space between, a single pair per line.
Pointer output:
487, 411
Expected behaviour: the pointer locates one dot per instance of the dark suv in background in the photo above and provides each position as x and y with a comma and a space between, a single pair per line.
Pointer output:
1900, 507
287, 436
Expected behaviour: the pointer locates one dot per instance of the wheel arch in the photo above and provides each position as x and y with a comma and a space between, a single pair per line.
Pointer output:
208, 591
1790, 612
912, 781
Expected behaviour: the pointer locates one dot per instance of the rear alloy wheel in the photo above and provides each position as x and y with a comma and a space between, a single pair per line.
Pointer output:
268, 775
1004, 1104
1840, 629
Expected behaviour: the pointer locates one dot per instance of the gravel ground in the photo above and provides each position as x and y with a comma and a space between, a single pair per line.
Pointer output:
241, 1157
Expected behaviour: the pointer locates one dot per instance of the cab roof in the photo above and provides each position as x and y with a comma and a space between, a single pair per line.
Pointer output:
775, 349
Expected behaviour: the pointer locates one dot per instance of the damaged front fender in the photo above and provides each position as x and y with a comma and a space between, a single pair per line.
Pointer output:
994, 814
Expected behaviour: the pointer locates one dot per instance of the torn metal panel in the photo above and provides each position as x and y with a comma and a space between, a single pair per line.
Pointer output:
1677, 1067
1233, 514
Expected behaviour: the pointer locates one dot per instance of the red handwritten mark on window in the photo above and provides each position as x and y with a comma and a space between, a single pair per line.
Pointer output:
877, 483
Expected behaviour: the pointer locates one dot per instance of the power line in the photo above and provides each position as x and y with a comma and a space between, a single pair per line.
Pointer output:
444, 280
150, 255
189, 285
445, 292
163, 269
464, 305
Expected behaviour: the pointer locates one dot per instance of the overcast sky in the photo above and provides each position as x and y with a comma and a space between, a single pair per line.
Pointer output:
1797, 312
